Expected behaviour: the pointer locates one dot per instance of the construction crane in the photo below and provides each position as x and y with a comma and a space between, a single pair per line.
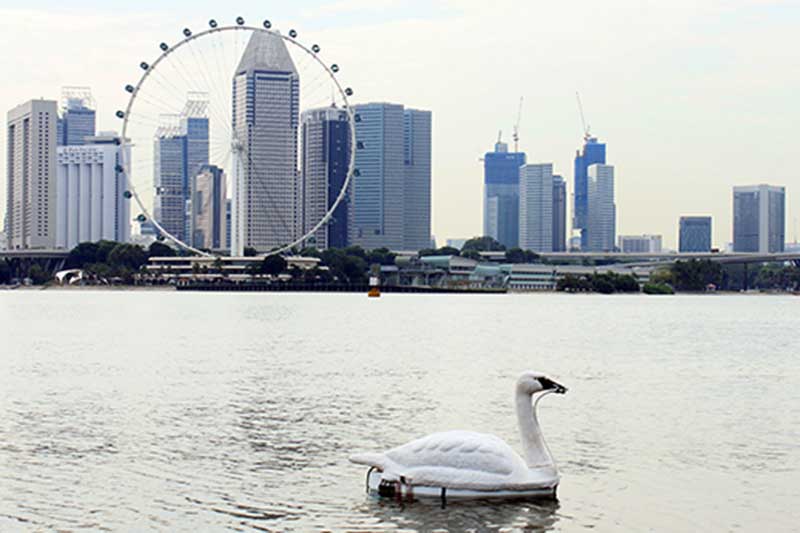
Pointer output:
516, 127
586, 133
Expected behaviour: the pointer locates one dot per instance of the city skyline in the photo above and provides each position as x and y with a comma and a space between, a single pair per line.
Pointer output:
660, 145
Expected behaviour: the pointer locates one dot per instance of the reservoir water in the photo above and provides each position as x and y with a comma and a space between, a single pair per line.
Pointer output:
163, 411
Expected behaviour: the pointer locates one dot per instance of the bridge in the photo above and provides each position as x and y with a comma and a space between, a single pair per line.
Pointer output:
658, 259
20, 261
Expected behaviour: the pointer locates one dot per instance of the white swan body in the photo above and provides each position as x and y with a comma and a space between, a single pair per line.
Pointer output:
470, 465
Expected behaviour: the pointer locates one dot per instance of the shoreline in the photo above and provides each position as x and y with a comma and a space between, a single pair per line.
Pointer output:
384, 290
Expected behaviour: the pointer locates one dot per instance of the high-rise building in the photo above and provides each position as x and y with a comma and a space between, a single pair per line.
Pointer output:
536, 207
378, 200
501, 194
324, 165
640, 244
207, 207
31, 175
417, 193
559, 214
759, 219
77, 121
601, 227
594, 152
266, 114
90, 192
181, 150
695, 234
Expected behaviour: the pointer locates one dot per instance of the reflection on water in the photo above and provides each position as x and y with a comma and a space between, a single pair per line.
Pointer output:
186, 412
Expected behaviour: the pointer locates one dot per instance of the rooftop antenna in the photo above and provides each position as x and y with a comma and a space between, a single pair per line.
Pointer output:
586, 129
515, 136
499, 136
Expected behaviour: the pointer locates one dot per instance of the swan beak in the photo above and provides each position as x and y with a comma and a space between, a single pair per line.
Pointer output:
550, 385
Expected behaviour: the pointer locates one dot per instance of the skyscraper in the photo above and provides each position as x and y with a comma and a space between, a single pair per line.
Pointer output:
181, 150
559, 214
594, 152
536, 207
90, 201
501, 194
378, 201
417, 193
695, 234
77, 121
325, 159
31, 175
266, 113
759, 219
207, 206
601, 227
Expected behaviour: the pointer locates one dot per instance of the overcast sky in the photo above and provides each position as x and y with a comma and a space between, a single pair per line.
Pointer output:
691, 97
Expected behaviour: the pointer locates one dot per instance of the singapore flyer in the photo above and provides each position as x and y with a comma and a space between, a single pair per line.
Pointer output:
239, 138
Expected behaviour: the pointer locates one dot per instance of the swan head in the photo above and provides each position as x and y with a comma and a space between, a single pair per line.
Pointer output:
530, 383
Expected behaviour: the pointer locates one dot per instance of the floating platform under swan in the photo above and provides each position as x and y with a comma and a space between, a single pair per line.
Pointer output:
403, 491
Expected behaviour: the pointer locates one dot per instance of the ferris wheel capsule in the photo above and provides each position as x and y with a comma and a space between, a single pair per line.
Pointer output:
212, 23
267, 24
187, 32
292, 34
240, 21
164, 47
315, 48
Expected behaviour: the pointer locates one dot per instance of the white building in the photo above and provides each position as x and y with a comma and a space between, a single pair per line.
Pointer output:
90, 193
536, 207
31, 175
640, 244
266, 111
602, 211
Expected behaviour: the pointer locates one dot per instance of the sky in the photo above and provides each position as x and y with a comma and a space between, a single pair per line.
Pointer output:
691, 97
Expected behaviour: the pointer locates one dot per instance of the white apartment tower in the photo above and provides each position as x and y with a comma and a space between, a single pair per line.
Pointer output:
266, 103
90, 192
31, 175
536, 207
602, 211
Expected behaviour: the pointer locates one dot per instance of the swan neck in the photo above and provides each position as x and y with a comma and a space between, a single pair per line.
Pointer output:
535, 450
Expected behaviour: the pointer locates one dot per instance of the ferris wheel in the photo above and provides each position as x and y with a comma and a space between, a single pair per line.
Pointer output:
239, 136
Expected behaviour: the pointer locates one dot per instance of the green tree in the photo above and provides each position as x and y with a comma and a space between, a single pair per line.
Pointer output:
5, 272
482, 244
382, 256
249, 251
657, 288
475, 255
127, 256
695, 275
625, 283
273, 265
158, 249
518, 255
37, 274
444, 250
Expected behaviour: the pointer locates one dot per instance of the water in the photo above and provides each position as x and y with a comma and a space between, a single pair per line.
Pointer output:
208, 412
